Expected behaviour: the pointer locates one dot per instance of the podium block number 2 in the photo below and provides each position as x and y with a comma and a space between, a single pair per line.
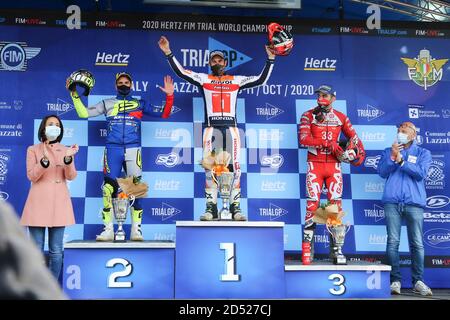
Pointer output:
112, 279
230, 262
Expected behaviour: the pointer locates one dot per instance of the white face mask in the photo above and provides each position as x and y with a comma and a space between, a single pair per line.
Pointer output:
52, 132
402, 138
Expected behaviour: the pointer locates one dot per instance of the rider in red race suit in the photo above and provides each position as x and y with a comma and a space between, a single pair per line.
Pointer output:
220, 93
319, 131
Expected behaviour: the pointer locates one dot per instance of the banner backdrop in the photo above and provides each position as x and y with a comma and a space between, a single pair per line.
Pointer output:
378, 76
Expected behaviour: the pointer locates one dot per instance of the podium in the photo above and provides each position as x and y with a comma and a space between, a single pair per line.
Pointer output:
229, 259
129, 270
213, 260
329, 281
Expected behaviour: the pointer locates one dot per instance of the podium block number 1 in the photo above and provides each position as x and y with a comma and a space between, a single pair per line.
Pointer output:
128, 268
230, 262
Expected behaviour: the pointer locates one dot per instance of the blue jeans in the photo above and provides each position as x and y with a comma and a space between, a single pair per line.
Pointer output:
55, 246
414, 221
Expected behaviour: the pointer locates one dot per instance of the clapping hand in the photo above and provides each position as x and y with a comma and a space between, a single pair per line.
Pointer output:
72, 150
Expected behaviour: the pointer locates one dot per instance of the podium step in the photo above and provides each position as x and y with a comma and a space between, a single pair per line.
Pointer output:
228, 259
127, 270
326, 280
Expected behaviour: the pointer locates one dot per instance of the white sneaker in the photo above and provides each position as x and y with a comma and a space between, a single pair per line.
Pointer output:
396, 287
422, 289
136, 233
107, 233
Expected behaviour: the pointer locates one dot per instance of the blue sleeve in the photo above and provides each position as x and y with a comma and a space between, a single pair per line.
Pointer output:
386, 165
418, 170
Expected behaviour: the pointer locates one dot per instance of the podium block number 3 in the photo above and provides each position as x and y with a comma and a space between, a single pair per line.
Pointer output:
112, 279
339, 288
230, 262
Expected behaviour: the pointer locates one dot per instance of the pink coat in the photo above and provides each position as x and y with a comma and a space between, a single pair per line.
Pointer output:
48, 203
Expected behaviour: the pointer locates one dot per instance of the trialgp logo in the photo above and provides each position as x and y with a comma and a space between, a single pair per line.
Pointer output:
200, 58
424, 70
14, 56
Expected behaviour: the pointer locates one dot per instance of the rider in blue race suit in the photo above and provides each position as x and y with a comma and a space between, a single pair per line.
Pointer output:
123, 144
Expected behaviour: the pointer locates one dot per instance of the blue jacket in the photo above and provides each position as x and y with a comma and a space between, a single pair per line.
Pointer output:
123, 117
405, 184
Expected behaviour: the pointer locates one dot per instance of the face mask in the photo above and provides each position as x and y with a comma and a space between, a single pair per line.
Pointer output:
123, 90
52, 132
323, 102
217, 69
402, 138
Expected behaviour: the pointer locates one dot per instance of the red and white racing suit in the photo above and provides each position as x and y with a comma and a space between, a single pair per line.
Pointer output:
220, 97
323, 166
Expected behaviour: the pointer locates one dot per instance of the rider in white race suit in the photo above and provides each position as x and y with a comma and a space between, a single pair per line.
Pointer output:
220, 92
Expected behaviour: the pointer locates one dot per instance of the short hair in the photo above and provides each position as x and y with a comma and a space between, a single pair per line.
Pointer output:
41, 131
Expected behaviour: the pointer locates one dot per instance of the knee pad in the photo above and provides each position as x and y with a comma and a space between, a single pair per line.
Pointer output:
110, 187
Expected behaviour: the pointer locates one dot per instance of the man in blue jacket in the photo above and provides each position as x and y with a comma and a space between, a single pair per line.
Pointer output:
405, 166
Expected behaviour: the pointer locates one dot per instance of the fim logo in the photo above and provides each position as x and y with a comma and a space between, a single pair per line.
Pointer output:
273, 212
270, 111
168, 160
14, 56
372, 162
274, 161
165, 212
424, 70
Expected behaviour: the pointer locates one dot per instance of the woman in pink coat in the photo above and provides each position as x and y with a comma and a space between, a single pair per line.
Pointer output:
49, 165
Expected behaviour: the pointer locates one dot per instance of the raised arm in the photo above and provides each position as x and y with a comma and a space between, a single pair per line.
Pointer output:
187, 75
254, 81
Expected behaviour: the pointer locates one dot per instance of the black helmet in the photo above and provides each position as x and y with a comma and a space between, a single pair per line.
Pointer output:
83, 78
281, 41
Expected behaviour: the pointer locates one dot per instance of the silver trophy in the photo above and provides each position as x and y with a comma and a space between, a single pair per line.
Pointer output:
120, 209
338, 233
225, 185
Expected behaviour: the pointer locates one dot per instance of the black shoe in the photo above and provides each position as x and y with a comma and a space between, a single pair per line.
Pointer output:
236, 212
210, 212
